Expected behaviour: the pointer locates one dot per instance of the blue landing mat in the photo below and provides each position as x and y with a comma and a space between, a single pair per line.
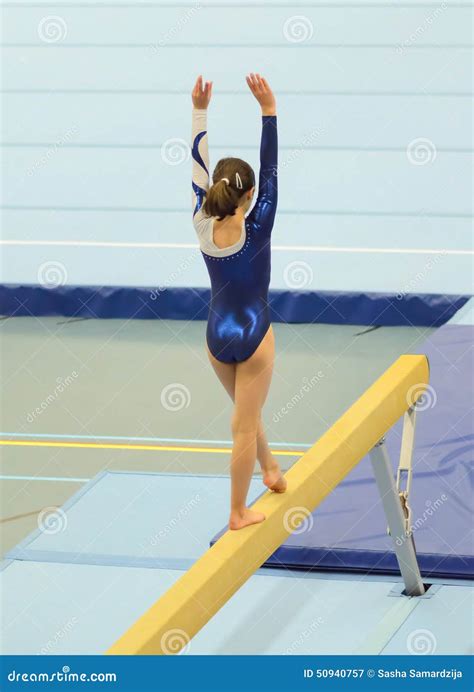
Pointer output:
63, 609
329, 307
154, 520
347, 532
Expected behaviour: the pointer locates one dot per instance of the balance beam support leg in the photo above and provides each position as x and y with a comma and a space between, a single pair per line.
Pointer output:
403, 543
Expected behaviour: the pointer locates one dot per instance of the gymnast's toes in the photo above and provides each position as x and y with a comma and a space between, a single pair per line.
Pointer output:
275, 481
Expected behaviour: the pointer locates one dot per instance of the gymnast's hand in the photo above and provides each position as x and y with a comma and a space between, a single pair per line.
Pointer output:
201, 95
262, 92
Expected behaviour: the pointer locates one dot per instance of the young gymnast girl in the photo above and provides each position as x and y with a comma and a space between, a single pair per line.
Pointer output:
236, 250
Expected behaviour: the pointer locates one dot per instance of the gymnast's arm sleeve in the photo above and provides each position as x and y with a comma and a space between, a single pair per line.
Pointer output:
263, 213
200, 155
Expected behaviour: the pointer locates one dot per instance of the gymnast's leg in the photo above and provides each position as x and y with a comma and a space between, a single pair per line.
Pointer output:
272, 476
252, 382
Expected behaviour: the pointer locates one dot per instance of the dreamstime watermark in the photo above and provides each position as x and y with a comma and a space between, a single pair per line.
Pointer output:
298, 29
421, 151
428, 512
304, 636
308, 384
298, 520
421, 642
52, 274
52, 29
52, 520
174, 30
164, 532
52, 150
175, 641
61, 385
298, 274
175, 397
421, 275
422, 28
423, 395
175, 151
60, 634
300, 149
175, 274
63, 675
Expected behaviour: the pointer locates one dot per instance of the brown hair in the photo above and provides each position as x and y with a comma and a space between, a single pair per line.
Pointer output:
231, 179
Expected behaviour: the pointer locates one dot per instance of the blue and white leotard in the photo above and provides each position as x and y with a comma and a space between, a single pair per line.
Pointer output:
240, 274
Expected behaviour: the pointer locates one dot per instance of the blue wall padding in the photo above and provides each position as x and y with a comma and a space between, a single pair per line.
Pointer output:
192, 304
347, 532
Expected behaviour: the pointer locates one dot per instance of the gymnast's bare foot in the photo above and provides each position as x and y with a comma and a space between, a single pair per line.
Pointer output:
246, 517
274, 479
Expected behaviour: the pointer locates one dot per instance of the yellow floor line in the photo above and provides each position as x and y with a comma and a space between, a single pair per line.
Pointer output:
146, 448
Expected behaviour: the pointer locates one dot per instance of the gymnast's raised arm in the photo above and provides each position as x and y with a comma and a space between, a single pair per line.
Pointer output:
263, 213
201, 95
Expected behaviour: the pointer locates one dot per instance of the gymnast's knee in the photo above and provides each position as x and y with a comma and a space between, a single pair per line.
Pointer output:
245, 422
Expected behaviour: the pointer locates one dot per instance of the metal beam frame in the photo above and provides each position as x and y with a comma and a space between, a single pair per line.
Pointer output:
397, 518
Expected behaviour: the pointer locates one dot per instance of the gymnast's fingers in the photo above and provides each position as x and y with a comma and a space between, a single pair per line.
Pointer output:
249, 82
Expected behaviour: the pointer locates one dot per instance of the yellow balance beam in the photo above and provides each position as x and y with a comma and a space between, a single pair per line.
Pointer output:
193, 600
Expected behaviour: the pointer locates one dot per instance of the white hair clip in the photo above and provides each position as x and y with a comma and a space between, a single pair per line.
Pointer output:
238, 182
226, 180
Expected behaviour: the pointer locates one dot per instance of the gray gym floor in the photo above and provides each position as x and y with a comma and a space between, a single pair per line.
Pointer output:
77, 394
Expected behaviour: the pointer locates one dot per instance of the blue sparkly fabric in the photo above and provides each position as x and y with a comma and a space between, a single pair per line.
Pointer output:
239, 315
